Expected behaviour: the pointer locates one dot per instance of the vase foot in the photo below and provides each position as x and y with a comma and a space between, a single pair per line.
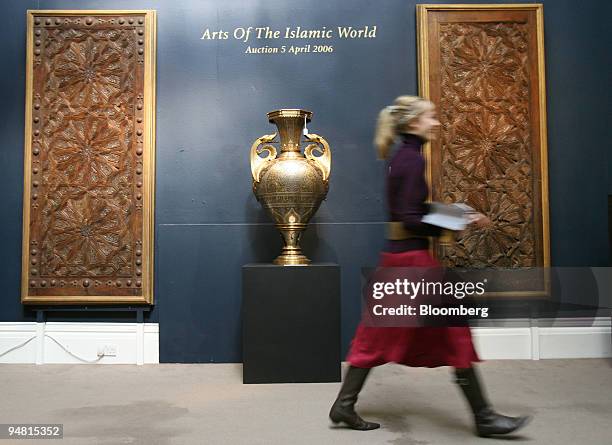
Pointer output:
291, 260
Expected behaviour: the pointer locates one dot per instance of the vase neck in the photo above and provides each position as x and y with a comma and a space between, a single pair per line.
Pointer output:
290, 131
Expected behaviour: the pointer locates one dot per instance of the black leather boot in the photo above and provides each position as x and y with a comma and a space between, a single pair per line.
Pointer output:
343, 409
488, 422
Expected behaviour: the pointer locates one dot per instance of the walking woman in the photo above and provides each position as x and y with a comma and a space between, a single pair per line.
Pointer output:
412, 121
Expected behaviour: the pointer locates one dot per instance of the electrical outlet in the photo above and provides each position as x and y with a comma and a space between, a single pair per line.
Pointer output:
107, 350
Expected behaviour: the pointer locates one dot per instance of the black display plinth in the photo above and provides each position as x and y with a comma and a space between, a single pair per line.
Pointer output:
291, 323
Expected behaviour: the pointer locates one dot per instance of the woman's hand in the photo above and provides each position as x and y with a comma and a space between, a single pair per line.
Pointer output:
479, 220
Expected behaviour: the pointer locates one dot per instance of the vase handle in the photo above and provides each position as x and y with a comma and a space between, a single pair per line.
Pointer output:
257, 162
322, 162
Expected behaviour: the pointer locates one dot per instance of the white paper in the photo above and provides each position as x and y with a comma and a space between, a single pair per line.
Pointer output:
448, 216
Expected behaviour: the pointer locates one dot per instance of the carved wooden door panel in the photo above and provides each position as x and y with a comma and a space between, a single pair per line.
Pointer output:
89, 157
483, 66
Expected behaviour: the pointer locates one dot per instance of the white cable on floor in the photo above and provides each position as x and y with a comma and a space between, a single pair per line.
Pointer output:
58, 343
18, 346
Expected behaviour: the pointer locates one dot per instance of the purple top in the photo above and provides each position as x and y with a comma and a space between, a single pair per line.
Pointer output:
406, 194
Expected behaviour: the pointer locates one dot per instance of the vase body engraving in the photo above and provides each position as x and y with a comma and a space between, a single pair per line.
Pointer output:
290, 185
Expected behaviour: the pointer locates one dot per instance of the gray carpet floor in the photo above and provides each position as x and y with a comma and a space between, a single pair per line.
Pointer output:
571, 401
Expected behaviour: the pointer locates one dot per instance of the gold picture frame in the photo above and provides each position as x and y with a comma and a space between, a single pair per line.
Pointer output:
135, 287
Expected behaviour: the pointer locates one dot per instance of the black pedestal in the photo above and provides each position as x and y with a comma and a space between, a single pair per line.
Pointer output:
291, 323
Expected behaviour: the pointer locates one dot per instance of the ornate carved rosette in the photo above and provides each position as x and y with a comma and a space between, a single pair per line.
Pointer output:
483, 68
89, 157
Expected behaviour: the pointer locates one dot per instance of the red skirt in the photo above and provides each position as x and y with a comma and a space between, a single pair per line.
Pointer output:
412, 346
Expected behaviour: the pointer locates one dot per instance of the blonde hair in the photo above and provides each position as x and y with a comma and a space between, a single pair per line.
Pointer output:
396, 119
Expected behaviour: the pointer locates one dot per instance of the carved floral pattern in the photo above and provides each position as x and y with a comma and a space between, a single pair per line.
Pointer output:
86, 217
485, 144
88, 151
87, 237
89, 71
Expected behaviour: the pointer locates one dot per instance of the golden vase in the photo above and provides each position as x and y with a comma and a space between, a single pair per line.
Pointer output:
292, 185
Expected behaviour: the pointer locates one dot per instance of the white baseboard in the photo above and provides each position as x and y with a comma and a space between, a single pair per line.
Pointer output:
132, 342
582, 342
502, 343
507, 339
13, 334
542, 339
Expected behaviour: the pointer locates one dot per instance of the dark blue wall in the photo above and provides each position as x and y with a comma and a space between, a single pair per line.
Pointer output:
212, 101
